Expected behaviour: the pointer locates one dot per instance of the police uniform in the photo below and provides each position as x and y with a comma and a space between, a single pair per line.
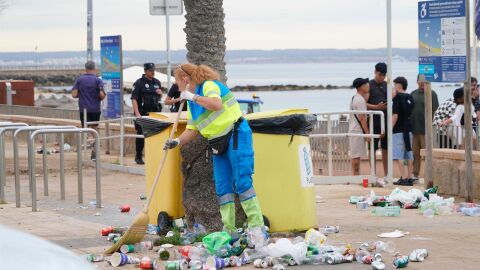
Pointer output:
232, 167
145, 93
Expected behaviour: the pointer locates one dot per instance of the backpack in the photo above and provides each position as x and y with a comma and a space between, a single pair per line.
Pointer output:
407, 105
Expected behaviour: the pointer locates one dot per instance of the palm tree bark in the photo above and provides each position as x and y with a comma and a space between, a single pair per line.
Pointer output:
205, 29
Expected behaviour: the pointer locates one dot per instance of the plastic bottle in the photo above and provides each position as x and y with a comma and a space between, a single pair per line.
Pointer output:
314, 237
329, 230
473, 211
188, 238
257, 237
314, 260
356, 199
198, 229
381, 246
429, 213
224, 251
360, 254
387, 211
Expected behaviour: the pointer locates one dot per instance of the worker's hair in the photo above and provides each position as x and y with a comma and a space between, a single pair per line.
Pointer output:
197, 74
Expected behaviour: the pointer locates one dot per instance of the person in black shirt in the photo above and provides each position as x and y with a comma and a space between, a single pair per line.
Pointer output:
146, 96
173, 98
377, 101
402, 131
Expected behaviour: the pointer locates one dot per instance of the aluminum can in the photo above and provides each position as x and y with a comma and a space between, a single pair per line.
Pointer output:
335, 258
378, 265
400, 262
418, 255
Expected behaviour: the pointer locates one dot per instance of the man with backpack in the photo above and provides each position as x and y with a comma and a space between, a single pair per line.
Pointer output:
402, 131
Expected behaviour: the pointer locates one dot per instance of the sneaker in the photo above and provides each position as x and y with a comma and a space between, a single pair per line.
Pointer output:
400, 182
415, 180
139, 161
93, 156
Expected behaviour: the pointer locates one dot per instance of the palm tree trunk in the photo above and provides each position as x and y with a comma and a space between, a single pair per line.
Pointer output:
205, 29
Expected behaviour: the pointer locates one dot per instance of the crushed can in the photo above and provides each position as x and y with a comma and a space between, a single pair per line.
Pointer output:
127, 249
367, 259
377, 257
278, 267
348, 258
112, 236
125, 208
259, 263
147, 263
116, 239
271, 261
195, 264
378, 265
95, 258
335, 258
418, 255
400, 261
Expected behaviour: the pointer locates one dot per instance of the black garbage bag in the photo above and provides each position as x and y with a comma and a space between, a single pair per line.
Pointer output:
151, 126
293, 124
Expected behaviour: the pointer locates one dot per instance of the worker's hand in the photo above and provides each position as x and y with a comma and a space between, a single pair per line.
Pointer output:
187, 95
368, 139
159, 91
170, 144
382, 135
444, 123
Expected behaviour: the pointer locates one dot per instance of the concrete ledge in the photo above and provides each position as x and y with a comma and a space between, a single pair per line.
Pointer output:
449, 172
123, 169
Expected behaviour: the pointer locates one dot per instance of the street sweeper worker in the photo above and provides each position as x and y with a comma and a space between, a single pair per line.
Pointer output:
214, 112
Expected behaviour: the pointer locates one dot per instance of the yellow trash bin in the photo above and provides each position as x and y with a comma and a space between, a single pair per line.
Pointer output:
283, 171
168, 193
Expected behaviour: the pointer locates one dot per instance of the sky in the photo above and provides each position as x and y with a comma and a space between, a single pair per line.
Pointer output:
60, 25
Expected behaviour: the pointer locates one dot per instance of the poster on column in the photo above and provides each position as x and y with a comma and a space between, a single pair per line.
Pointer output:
111, 70
442, 49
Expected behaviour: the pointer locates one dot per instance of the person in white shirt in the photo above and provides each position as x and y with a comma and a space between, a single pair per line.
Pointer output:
457, 120
358, 124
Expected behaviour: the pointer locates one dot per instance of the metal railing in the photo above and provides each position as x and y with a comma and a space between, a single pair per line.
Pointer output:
78, 132
121, 136
16, 162
452, 137
330, 150
3, 175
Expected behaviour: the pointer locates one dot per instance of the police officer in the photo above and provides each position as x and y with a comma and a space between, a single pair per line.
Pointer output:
146, 95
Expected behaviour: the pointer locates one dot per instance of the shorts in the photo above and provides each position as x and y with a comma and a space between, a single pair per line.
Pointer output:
357, 146
383, 141
399, 149
91, 117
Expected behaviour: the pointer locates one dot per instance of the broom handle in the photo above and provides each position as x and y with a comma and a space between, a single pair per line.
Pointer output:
164, 158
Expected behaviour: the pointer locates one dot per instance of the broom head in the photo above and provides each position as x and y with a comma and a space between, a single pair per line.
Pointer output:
135, 233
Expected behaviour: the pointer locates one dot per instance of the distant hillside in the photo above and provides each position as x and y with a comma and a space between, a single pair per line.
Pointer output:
77, 58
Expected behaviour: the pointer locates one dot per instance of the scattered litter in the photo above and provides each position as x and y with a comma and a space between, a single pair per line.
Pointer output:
421, 239
95, 258
147, 263
387, 211
418, 255
152, 229
394, 234
98, 214
125, 208
472, 211
143, 197
67, 147
170, 234
381, 246
58, 209
400, 261
83, 207
329, 229
93, 203
119, 259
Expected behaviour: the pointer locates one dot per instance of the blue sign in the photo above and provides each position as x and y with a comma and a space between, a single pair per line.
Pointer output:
111, 59
442, 40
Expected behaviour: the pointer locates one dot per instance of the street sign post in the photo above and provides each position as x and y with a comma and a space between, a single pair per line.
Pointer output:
167, 8
444, 56
111, 69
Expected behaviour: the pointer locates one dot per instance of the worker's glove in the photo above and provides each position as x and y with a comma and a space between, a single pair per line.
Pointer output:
170, 144
187, 95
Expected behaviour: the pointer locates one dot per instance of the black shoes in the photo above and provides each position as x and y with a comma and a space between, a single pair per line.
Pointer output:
139, 160
93, 156
404, 182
